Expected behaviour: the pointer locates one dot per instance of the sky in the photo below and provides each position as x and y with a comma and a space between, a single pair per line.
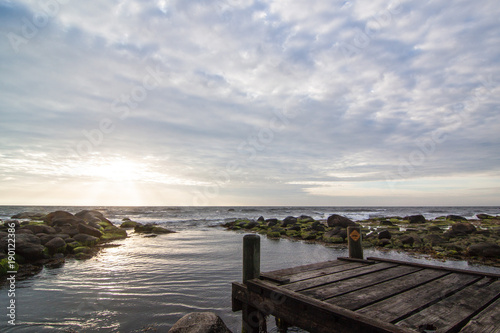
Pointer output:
243, 102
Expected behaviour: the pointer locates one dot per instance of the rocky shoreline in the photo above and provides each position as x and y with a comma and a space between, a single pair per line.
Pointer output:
30, 241
446, 237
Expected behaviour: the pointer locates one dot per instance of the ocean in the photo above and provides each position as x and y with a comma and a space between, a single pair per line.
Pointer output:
149, 283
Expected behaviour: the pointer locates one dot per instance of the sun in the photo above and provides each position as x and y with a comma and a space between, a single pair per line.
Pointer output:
119, 170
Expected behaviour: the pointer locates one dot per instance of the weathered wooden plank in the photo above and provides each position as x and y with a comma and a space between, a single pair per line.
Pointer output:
312, 315
400, 306
453, 313
363, 297
337, 276
449, 269
282, 275
487, 321
324, 271
356, 283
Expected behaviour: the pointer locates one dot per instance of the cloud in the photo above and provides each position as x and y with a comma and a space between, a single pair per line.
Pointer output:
289, 100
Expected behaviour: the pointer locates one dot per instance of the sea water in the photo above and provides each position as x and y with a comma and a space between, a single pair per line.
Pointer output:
149, 283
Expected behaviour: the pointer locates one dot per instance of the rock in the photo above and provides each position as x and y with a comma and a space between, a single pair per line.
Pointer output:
128, 224
260, 219
484, 250
55, 245
288, 220
24, 231
161, 230
384, 234
335, 231
40, 229
86, 229
317, 226
484, 216
271, 222
200, 322
339, 221
434, 228
386, 223
69, 230
44, 238
70, 221
384, 242
252, 224
406, 240
416, 219
295, 227
85, 239
460, 229
455, 218
60, 214
29, 215
343, 234
305, 219
29, 246
434, 239
92, 216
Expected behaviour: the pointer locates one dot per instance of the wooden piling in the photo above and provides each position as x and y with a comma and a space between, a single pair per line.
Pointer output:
253, 320
354, 241
251, 257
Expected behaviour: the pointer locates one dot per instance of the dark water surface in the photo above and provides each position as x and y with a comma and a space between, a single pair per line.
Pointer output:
152, 282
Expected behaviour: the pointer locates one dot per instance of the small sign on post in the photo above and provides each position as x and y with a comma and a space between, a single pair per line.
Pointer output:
354, 242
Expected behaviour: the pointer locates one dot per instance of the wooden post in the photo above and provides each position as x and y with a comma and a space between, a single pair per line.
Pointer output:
251, 257
354, 241
253, 321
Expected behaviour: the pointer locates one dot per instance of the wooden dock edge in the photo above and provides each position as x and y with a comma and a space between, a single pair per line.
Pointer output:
450, 269
310, 314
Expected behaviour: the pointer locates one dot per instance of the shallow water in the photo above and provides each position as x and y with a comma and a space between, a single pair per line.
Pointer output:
152, 282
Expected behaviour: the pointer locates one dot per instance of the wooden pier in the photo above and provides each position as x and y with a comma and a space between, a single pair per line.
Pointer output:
373, 295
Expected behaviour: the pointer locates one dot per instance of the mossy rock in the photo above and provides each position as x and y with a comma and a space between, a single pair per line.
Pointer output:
273, 234
113, 233
161, 230
82, 249
292, 233
308, 235
128, 224
72, 246
333, 240
6, 267
83, 256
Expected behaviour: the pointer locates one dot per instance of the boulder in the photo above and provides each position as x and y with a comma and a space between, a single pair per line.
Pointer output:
40, 229
252, 224
260, 219
484, 250
271, 222
305, 219
92, 216
386, 223
85, 239
455, 218
86, 229
416, 219
335, 231
434, 239
24, 231
29, 215
200, 322
339, 221
60, 214
128, 224
484, 216
460, 229
63, 221
384, 242
67, 229
384, 234
317, 226
161, 230
29, 246
406, 240
57, 244
288, 221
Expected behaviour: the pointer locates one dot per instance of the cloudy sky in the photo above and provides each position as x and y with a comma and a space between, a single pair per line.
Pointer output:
243, 102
